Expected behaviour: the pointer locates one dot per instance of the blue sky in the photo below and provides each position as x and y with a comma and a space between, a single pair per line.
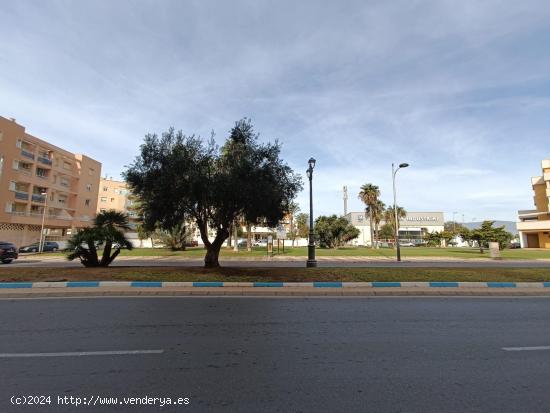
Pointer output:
459, 89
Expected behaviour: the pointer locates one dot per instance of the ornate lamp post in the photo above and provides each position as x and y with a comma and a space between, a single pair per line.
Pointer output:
311, 261
41, 244
396, 229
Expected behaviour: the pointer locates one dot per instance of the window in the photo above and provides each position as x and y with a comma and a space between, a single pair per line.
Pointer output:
67, 165
87, 202
64, 182
42, 173
91, 171
62, 199
105, 188
88, 187
112, 199
1, 135
103, 199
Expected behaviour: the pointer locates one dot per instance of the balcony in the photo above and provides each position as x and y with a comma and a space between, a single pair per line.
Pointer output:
44, 161
537, 225
22, 195
38, 198
27, 154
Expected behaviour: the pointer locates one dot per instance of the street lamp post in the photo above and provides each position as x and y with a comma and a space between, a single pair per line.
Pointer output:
41, 244
454, 221
311, 261
396, 229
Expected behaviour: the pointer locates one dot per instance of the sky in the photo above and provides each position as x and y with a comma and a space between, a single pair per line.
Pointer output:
460, 90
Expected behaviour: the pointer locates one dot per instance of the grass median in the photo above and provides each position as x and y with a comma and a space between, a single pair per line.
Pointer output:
235, 274
382, 253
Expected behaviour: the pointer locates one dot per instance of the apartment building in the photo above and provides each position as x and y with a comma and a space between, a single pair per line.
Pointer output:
114, 195
40, 181
534, 225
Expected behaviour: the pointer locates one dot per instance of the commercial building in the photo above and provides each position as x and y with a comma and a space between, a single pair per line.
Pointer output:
411, 227
39, 181
534, 225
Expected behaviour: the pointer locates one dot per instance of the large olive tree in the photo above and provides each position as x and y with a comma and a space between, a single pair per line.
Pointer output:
183, 178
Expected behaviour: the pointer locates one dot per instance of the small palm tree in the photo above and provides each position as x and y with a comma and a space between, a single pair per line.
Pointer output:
107, 232
369, 195
389, 217
377, 213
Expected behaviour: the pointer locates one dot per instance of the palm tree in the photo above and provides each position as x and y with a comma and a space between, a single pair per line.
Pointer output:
107, 231
377, 213
369, 195
389, 217
293, 209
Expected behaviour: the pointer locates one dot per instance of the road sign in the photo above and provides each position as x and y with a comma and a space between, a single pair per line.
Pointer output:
281, 232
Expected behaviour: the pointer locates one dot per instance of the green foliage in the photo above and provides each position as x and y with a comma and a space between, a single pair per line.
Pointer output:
487, 233
293, 209
302, 225
454, 227
176, 237
389, 216
386, 232
178, 177
107, 232
369, 195
434, 239
333, 231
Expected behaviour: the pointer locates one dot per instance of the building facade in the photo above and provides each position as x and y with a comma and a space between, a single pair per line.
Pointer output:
534, 225
411, 227
41, 182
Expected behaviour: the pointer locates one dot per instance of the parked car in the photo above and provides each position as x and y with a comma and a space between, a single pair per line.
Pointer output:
192, 243
406, 244
515, 245
242, 243
48, 246
8, 252
260, 243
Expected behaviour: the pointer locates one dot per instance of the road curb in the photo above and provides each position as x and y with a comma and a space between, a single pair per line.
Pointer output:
274, 284
314, 289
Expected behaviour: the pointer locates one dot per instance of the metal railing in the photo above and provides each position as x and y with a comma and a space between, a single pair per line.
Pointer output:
27, 154
38, 198
22, 195
45, 161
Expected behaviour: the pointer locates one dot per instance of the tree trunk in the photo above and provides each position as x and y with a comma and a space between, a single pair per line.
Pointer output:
371, 231
248, 237
211, 259
105, 258
376, 234
236, 234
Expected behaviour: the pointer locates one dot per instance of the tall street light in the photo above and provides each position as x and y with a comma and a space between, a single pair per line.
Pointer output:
454, 221
396, 229
311, 262
41, 244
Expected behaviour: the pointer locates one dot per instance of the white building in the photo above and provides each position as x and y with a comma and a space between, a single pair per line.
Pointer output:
410, 228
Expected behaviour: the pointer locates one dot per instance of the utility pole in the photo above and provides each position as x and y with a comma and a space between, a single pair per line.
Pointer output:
345, 200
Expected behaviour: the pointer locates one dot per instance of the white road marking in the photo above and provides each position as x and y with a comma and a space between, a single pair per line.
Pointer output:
526, 348
81, 353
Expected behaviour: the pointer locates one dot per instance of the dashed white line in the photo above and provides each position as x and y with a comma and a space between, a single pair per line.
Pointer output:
526, 348
81, 353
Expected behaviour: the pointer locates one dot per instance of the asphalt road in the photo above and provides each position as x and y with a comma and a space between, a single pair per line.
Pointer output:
280, 354
139, 262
